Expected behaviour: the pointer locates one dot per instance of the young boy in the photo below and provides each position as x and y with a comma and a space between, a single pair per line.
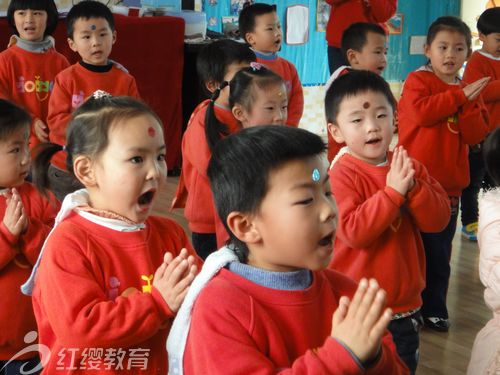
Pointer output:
260, 27
91, 33
384, 200
26, 220
364, 46
217, 63
483, 63
271, 305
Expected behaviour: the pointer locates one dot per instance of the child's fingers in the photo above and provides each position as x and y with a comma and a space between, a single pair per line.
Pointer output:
341, 312
184, 283
367, 301
375, 309
167, 258
174, 275
160, 271
357, 298
380, 326
173, 264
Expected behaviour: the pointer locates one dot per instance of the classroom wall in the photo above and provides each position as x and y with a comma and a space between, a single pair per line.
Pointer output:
311, 58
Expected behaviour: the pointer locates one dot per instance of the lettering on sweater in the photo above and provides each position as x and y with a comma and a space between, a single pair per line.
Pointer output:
41, 88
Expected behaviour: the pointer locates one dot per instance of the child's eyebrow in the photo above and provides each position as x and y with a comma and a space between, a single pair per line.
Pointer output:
142, 149
310, 185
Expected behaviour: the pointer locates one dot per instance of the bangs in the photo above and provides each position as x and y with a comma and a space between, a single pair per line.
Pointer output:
30, 4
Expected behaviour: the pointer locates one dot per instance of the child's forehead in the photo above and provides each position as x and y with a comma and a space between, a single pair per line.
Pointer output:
266, 18
374, 39
91, 23
450, 36
367, 99
19, 134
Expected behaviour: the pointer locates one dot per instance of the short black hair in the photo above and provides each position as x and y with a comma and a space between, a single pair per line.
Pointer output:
356, 35
489, 21
248, 14
450, 23
353, 83
242, 163
47, 5
491, 155
88, 9
12, 118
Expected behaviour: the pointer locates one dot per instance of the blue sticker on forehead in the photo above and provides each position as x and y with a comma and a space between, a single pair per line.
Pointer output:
93, 27
316, 176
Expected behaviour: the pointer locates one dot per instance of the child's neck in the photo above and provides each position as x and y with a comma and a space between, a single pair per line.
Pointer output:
97, 68
37, 47
265, 55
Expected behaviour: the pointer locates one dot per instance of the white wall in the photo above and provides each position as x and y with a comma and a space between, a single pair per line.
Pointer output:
471, 9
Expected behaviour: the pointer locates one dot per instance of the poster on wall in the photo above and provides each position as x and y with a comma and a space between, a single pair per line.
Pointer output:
322, 15
237, 5
395, 24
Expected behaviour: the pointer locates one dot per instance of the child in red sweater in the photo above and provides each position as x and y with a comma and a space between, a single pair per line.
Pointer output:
260, 27
483, 63
439, 117
277, 309
364, 46
110, 277
26, 220
385, 199
30, 63
91, 33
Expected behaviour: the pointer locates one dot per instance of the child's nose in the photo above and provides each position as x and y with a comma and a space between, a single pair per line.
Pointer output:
329, 210
26, 156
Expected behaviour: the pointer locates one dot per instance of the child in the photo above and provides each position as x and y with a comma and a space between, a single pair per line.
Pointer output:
482, 63
384, 200
260, 27
28, 67
277, 309
217, 63
364, 46
485, 357
26, 221
438, 118
95, 296
91, 33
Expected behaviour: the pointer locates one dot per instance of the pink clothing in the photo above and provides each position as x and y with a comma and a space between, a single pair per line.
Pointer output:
485, 356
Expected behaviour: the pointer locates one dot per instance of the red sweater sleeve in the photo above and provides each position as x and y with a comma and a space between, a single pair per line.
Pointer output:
59, 112
362, 221
429, 109
473, 121
296, 100
7, 246
427, 202
474, 71
382, 10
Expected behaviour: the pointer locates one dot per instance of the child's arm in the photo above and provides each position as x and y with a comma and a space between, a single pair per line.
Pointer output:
296, 99
362, 220
133, 90
426, 108
60, 108
382, 10
474, 71
13, 224
427, 201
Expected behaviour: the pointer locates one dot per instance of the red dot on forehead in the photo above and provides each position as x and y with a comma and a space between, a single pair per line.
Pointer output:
151, 131
366, 105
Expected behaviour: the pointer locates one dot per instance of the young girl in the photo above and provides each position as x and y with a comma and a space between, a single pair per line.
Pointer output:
485, 357
29, 66
111, 278
439, 117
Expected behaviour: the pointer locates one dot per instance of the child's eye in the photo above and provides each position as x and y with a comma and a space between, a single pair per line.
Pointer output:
136, 159
270, 108
356, 120
305, 202
104, 34
161, 157
382, 115
328, 194
15, 150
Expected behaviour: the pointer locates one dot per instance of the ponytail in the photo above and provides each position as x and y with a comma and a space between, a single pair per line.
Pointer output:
214, 129
41, 163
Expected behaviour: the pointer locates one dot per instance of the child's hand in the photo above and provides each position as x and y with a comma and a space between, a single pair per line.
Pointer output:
173, 278
400, 176
15, 219
472, 90
361, 323
41, 131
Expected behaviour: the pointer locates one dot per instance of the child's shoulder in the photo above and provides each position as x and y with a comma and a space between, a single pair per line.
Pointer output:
340, 284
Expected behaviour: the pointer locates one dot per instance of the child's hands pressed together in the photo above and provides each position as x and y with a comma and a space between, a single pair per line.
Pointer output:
41, 130
472, 90
401, 173
173, 278
15, 219
360, 324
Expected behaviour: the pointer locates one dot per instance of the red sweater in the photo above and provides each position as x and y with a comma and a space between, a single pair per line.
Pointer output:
480, 66
286, 70
436, 123
27, 78
93, 291
17, 256
194, 187
72, 86
378, 234
257, 330
346, 12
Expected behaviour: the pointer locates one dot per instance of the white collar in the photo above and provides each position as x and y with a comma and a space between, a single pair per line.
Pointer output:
489, 56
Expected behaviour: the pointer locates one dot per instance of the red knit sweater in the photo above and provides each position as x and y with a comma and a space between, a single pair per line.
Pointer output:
346, 12
17, 256
93, 291
436, 123
27, 78
480, 66
257, 330
194, 188
378, 233
286, 70
72, 86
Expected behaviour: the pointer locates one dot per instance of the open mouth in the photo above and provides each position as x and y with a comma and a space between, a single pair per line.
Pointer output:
373, 141
146, 198
327, 240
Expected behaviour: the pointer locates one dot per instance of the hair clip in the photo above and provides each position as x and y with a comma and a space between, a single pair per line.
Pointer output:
99, 94
256, 66
64, 148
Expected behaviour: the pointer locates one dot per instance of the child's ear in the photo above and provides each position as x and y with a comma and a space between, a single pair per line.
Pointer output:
238, 113
211, 86
242, 227
250, 38
335, 132
114, 37
427, 51
352, 57
72, 45
84, 171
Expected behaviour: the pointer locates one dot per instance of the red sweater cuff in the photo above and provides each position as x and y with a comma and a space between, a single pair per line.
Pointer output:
394, 196
162, 304
10, 238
